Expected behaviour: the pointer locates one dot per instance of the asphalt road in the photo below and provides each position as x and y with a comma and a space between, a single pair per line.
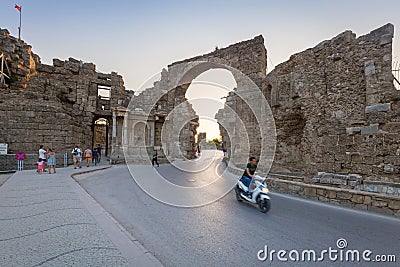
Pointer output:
229, 233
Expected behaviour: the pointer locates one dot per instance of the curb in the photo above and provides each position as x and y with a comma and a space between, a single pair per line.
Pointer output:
12, 173
138, 260
89, 171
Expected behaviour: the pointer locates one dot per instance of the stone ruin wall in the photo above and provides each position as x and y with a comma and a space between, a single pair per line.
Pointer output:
336, 108
54, 105
249, 57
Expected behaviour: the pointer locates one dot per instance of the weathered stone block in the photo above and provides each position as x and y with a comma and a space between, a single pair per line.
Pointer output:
378, 108
386, 39
338, 181
353, 130
312, 192
343, 195
322, 198
357, 198
321, 192
294, 188
372, 129
394, 204
379, 203
58, 63
369, 68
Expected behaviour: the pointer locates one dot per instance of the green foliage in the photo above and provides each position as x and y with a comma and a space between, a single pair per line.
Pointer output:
216, 142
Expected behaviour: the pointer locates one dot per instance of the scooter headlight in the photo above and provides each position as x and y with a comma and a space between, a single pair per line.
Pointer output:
265, 190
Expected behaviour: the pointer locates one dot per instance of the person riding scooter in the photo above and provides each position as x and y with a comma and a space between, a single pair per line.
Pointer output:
249, 172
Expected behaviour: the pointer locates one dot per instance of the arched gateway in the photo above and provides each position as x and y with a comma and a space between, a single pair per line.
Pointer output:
173, 122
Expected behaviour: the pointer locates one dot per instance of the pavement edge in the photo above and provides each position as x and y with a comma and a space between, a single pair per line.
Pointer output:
129, 246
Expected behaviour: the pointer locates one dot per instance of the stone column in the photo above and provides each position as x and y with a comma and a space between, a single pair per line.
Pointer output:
114, 127
152, 125
113, 133
125, 132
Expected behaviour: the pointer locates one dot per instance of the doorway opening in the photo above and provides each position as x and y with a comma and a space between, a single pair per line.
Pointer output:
207, 94
101, 135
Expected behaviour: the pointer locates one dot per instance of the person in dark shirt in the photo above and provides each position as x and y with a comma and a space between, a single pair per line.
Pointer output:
95, 156
155, 158
98, 153
249, 171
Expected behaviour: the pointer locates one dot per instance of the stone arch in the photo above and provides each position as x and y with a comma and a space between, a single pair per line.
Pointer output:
247, 63
190, 73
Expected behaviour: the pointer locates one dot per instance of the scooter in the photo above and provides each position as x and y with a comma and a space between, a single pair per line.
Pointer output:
259, 194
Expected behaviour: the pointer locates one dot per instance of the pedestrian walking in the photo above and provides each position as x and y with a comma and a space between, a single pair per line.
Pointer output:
225, 151
42, 155
95, 156
88, 156
51, 161
155, 158
99, 152
77, 156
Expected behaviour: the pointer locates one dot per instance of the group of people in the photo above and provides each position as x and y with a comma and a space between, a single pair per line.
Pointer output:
88, 154
46, 157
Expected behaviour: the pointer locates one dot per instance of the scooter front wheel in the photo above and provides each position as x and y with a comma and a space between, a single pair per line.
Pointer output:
264, 205
237, 193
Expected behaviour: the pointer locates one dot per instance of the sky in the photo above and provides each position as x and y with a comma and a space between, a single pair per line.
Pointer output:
139, 38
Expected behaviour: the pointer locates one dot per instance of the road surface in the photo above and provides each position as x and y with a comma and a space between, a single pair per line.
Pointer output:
229, 233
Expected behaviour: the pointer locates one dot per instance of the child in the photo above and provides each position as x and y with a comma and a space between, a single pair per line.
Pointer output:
51, 161
40, 164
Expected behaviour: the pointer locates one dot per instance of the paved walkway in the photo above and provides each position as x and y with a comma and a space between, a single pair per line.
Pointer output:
49, 220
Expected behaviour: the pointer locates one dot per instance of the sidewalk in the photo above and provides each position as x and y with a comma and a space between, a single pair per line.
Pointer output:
49, 220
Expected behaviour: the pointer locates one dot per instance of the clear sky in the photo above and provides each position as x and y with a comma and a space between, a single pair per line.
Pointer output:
138, 38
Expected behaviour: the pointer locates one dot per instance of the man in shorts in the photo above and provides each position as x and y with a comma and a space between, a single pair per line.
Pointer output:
88, 156
77, 156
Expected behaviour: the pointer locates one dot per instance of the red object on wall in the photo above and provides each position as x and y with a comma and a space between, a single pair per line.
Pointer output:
20, 156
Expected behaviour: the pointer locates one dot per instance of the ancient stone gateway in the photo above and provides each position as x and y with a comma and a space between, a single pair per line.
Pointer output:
335, 107
164, 109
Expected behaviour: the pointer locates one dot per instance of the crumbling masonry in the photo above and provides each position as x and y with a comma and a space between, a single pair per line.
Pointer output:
335, 106
56, 105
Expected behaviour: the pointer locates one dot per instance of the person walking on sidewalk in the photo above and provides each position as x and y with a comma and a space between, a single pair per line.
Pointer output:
95, 156
98, 152
76, 156
155, 158
42, 155
51, 161
88, 156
